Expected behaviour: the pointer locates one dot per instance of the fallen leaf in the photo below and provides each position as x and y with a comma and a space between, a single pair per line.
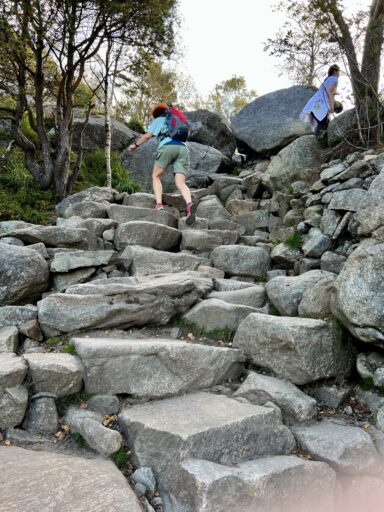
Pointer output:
7, 442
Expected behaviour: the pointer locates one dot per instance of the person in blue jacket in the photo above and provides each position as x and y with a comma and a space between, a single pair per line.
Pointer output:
318, 108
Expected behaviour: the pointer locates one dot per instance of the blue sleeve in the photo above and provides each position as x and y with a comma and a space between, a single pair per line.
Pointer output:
156, 126
331, 80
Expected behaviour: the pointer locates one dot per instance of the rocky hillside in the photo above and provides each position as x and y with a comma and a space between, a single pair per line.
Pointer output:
236, 364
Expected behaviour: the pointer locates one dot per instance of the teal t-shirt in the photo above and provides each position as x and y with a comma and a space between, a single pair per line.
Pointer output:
158, 128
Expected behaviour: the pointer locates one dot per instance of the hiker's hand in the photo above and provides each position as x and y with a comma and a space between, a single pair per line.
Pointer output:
132, 148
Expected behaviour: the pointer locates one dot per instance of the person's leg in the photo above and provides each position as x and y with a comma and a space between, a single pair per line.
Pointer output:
156, 183
182, 187
186, 193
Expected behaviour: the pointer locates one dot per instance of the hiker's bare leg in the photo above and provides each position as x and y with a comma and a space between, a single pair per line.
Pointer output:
182, 187
156, 183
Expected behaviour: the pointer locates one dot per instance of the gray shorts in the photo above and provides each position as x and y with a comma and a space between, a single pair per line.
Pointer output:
173, 154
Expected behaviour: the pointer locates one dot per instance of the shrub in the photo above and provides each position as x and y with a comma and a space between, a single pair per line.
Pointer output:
93, 173
294, 241
136, 125
20, 196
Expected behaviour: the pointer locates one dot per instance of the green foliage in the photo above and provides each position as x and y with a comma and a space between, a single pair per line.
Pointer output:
120, 458
61, 344
230, 96
93, 173
304, 54
294, 241
28, 131
4, 134
52, 342
274, 311
225, 334
136, 125
277, 241
150, 83
83, 95
69, 349
20, 196
260, 279
367, 384
64, 402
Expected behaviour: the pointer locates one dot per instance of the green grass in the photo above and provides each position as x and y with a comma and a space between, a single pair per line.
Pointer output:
260, 279
69, 349
61, 342
120, 458
22, 199
64, 402
225, 334
294, 241
56, 340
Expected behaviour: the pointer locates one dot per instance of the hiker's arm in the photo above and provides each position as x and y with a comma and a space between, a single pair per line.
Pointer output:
331, 94
141, 140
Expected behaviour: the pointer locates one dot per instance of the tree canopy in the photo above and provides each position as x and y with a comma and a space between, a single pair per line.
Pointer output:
68, 33
230, 96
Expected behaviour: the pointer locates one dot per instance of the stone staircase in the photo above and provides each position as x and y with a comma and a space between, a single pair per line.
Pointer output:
222, 428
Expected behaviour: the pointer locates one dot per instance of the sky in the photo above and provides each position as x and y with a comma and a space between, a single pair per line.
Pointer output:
222, 38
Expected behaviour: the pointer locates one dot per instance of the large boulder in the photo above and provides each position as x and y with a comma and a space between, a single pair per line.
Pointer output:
56, 236
301, 350
359, 298
61, 483
271, 121
95, 226
270, 484
110, 303
13, 396
147, 234
340, 126
96, 194
61, 374
298, 161
122, 214
145, 261
241, 260
205, 160
370, 214
17, 315
66, 261
154, 368
346, 449
24, 275
286, 292
94, 134
205, 240
295, 405
211, 129
215, 314
203, 425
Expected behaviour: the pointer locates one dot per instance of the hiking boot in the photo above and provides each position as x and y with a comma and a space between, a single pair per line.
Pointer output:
191, 213
159, 206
